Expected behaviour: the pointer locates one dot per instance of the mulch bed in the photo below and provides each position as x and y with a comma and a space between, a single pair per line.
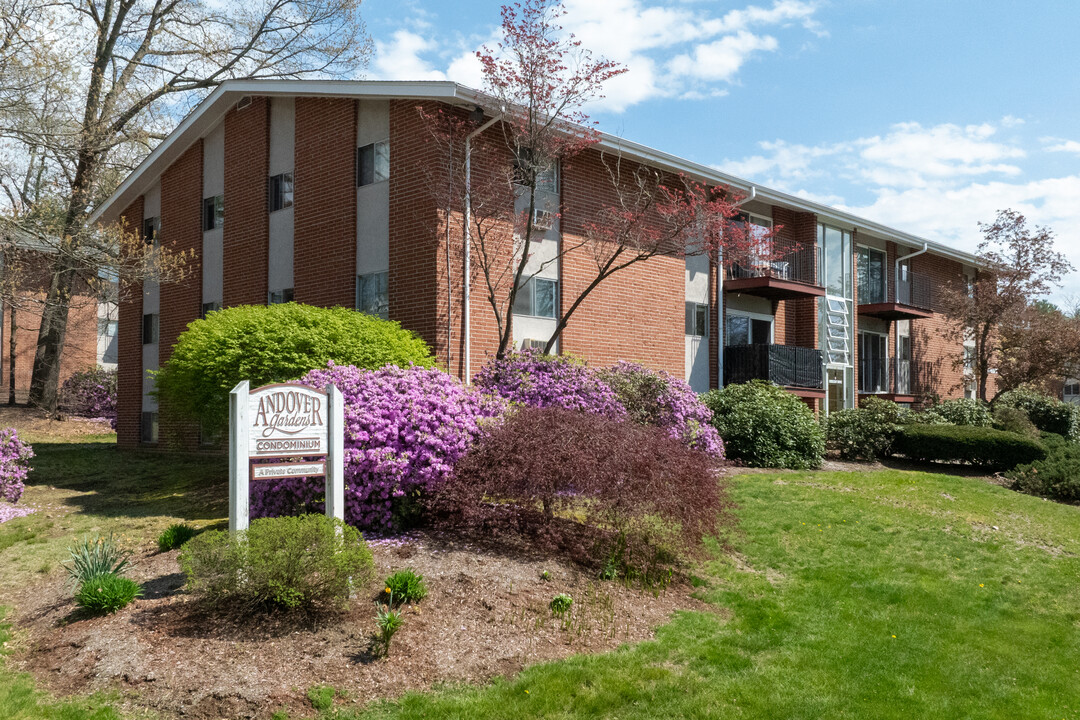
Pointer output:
486, 615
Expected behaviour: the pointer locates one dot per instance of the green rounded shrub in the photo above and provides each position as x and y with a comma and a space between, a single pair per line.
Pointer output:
174, 536
107, 593
308, 562
1011, 419
963, 411
273, 343
1057, 476
1047, 413
980, 446
764, 426
865, 432
406, 586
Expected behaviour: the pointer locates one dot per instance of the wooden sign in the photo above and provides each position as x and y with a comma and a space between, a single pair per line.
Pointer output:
285, 421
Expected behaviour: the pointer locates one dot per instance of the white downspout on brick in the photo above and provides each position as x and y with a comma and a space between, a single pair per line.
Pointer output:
467, 280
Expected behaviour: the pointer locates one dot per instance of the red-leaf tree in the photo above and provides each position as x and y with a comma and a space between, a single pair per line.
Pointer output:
1017, 266
537, 81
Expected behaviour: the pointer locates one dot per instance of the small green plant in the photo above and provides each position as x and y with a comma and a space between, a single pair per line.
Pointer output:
388, 621
545, 576
106, 593
174, 536
94, 558
560, 604
322, 697
407, 586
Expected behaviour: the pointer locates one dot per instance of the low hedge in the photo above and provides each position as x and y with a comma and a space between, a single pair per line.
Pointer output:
981, 446
1057, 476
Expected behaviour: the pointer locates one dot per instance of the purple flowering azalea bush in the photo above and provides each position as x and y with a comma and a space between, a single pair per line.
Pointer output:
405, 428
90, 393
533, 379
662, 400
15, 458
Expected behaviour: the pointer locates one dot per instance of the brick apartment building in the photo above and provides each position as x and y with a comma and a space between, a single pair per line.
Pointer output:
316, 192
91, 339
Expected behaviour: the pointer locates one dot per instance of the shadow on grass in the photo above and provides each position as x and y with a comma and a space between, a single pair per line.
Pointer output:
130, 484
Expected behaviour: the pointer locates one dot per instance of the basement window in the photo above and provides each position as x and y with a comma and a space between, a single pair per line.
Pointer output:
148, 428
372, 294
209, 307
277, 297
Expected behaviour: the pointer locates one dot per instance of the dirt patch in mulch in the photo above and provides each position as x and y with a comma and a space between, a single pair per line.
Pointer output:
486, 615
30, 420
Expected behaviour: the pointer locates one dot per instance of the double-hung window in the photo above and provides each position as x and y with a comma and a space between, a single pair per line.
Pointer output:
281, 191
213, 213
149, 328
537, 297
697, 319
372, 294
372, 163
151, 230
277, 297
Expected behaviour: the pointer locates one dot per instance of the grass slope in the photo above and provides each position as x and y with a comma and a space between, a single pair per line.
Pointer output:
855, 595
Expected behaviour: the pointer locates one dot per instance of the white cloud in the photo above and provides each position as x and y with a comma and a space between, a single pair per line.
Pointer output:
1059, 145
682, 51
400, 59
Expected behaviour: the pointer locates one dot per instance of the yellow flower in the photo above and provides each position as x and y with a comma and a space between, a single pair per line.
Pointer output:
980, 585
387, 591
894, 636
526, 692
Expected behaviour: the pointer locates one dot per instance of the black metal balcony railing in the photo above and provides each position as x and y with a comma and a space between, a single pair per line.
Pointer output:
895, 376
915, 291
785, 365
776, 258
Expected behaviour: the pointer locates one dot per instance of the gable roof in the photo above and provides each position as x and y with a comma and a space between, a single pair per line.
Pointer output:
212, 109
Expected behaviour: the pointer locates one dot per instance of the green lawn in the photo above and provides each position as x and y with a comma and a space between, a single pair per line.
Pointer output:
854, 595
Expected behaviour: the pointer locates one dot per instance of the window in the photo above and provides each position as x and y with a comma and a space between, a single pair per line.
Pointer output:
148, 430
747, 330
536, 297
209, 307
151, 230
547, 178
1071, 392
873, 362
372, 294
281, 191
697, 319
213, 213
277, 297
107, 332
871, 269
372, 163
149, 329
834, 246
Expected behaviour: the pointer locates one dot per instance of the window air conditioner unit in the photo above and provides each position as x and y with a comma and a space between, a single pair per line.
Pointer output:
533, 344
543, 220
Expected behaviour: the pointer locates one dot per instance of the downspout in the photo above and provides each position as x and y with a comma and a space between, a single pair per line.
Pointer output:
896, 274
467, 280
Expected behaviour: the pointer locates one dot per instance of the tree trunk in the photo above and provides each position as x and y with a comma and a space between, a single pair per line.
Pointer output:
45, 379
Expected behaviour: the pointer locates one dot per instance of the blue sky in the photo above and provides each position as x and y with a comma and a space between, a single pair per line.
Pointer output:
927, 115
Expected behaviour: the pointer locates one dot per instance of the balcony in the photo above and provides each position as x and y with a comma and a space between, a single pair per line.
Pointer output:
783, 270
893, 379
909, 299
797, 369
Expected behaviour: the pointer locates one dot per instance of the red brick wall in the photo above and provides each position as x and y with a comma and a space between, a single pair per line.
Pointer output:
930, 341
415, 224
129, 346
324, 211
180, 302
247, 226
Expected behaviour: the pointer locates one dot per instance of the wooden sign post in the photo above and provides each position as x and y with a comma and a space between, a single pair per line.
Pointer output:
299, 430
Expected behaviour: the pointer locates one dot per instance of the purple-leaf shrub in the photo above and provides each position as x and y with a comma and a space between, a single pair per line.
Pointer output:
90, 393
664, 401
533, 379
14, 465
404, 430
